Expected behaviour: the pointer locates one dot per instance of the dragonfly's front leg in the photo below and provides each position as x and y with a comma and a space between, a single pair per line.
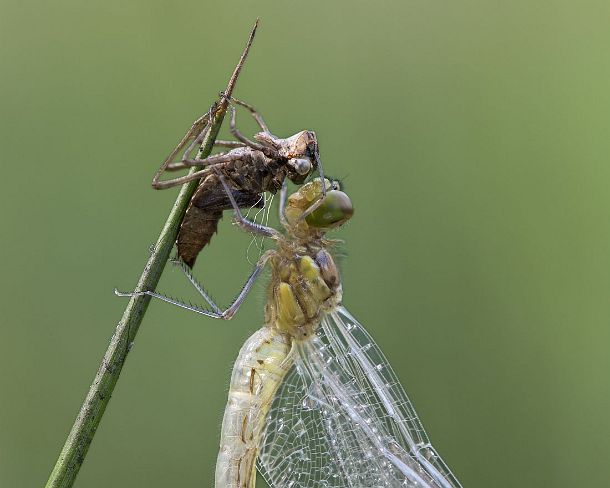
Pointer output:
282, 206
231, 309
244, 223
216, 312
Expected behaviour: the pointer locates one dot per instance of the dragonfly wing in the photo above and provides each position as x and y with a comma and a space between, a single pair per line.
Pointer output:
381, 386
341, 419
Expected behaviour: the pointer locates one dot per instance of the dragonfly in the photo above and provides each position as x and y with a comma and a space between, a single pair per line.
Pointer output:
313, 401
251, 168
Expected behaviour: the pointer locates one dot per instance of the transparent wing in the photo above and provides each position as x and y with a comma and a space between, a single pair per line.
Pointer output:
342, 419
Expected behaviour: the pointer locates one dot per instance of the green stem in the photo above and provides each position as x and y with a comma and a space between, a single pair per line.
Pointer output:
77, 444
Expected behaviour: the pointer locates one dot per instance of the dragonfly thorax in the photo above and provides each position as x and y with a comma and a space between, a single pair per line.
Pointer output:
303, 287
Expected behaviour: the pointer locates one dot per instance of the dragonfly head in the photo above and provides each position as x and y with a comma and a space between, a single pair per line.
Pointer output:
321, 213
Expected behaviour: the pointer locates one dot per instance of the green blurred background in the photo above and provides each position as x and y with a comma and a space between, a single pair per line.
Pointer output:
473, 139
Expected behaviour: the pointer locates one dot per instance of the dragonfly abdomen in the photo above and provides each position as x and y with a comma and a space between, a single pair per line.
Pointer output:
260, 368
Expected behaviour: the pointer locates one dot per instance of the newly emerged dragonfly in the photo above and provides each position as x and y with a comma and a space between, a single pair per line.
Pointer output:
313, 399
250, 168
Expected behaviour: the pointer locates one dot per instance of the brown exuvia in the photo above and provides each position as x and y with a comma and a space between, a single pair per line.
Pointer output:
249, 167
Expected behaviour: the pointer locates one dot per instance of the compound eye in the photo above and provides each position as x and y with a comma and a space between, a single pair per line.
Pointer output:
301, 165
335, 209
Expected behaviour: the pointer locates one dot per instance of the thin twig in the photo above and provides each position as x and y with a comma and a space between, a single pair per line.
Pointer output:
77, 444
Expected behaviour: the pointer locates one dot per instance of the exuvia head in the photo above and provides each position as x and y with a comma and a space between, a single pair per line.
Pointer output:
300, 151
300, 145
301, 166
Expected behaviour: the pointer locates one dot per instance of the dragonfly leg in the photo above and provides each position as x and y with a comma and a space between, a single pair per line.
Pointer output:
316, 156
200, 289
229, 312
312, 208
216, 313
243, 222
282, 206
232, 309
173, 301
315, 205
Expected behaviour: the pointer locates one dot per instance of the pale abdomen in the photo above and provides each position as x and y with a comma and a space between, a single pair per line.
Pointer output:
260, 368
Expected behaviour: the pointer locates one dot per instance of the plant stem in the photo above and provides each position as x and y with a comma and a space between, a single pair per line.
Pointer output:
79, 439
